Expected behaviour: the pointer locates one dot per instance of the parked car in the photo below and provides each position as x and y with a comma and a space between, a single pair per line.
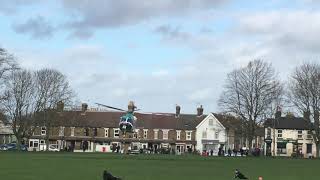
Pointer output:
13, 147
54, 147
3, 147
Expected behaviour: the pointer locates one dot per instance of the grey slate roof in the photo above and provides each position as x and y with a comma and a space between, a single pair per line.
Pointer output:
288, 123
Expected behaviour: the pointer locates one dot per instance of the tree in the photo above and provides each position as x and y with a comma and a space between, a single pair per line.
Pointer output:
19, 104
249, 93
304, 93
51, 87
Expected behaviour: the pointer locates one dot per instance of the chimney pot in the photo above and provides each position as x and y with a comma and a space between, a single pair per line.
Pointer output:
60, 106
200, 111
84, 107
178, 108
278, 113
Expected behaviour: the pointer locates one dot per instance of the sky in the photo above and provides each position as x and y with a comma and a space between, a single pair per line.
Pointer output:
158, 53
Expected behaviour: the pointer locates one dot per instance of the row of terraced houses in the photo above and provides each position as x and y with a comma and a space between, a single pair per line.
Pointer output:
94, 130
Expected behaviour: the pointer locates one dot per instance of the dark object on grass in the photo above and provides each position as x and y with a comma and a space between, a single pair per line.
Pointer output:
239, 175
109, 176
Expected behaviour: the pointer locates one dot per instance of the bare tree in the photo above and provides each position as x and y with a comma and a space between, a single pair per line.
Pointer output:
51, 87
249, 92
7, 65
305, 95
19, 104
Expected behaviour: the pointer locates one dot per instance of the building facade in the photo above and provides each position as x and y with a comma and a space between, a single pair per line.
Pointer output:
94, 131
6, 134
289, 136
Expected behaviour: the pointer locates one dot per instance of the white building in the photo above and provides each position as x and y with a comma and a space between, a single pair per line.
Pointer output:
289, 136
210, 135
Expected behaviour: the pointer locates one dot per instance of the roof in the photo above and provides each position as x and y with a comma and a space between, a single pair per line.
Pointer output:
288, 123
111, 119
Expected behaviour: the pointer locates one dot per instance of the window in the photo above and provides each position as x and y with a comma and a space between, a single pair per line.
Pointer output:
178, 135
86, 132
156, 133
279, 133
106, 132
204, 134
43, 130
281, 148
216, 135
309, 136
210, 122
189, 134
136, 134
72, 131
145, 133
165, 134
309, 148
268, 133
95, 131
116, 133
42, 141
61, 131
300, 134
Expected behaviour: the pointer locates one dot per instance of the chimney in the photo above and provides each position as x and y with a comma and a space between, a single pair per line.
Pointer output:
278, 112
178, 108
60, 106
306, 115
84, 107
200, 111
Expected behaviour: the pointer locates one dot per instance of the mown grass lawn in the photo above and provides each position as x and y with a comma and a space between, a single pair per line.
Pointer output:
89, 166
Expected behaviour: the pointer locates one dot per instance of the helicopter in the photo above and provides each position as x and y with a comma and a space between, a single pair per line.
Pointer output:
127, 121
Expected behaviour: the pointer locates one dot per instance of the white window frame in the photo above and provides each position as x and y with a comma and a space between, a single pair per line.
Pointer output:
156, 133
210, 122
165, 134
145, 133
300, 132
204, 134
178, 134
216, 135
43, 131
72, 131
188, 135
114, 133
61, 131
279, 132
106, 132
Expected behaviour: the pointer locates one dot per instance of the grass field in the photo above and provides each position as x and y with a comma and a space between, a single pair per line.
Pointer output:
85, 166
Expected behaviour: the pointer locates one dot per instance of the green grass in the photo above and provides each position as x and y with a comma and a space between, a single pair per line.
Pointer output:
89, 166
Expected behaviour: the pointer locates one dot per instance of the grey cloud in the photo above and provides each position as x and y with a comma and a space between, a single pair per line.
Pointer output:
172, 33
37, 27
110, 13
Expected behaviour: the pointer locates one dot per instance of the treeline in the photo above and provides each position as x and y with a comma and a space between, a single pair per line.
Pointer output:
255, 92
24, 94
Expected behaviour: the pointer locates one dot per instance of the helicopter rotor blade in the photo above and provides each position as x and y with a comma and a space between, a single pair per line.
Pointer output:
110, 107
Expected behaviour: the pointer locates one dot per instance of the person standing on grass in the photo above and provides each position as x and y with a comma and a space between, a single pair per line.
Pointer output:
229, 152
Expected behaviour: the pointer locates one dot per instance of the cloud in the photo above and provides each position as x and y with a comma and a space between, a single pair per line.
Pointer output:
37, 27
10, 7
110, 14
172, 33
288, 30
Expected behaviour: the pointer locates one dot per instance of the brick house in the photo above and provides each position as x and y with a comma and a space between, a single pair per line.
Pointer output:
154, 131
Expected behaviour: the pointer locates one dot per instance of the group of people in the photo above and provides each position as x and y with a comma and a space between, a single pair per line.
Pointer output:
234, 152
